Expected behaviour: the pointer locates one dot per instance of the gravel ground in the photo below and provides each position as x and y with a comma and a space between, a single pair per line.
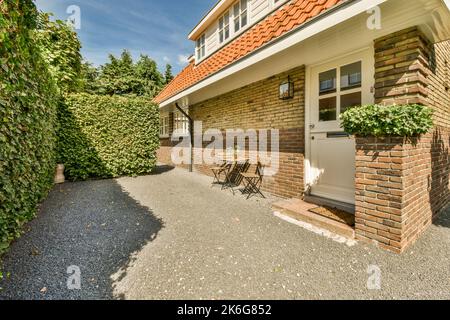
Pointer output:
171, 236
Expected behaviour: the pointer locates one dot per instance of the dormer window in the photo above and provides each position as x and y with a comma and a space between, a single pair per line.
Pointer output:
224, 27
201, 47
240, 14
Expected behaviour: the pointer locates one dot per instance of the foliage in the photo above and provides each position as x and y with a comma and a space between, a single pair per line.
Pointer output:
121, 76
60, 48
103, 136
397, 120
168, 76
89, 75
28, 102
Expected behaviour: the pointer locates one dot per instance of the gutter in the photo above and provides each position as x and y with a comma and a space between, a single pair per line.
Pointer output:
191, 134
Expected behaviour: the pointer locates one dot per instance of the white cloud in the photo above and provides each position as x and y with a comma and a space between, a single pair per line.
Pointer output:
182, 59
166, 59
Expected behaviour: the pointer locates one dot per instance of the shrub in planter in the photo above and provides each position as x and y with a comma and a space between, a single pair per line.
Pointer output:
397, 120
107, 136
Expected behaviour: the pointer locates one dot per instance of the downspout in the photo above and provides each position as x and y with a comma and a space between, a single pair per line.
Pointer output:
191, 133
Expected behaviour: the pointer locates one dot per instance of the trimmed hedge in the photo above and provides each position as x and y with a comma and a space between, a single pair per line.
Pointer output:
397, 120
107, 136
28, 103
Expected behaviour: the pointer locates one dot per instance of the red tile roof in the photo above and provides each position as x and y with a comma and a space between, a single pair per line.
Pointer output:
280, 22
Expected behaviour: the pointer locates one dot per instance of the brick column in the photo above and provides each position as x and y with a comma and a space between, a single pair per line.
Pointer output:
395, 177
401, 68
392, 190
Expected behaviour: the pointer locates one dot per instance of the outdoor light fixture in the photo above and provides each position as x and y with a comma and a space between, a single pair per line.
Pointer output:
287, 90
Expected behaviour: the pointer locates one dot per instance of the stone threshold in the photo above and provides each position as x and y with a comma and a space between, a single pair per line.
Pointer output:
300, 210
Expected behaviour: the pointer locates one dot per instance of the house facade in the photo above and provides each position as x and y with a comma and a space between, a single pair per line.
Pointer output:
294, 67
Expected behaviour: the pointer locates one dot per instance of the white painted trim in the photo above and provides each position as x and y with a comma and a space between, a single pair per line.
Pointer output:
310, 29
307, 161
209, 17
447, 3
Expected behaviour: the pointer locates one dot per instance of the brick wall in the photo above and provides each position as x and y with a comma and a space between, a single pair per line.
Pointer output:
403, 184
257, 106
401, 68
439, 99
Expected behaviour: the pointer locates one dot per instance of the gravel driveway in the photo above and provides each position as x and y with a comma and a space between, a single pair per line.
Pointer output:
171, 236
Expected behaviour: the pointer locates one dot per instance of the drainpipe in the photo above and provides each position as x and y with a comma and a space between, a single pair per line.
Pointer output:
191, 133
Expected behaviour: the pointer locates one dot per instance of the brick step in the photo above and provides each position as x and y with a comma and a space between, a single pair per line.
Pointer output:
299, 210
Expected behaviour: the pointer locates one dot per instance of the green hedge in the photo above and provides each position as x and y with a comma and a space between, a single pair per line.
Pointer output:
28, 102
107, 136
398, 120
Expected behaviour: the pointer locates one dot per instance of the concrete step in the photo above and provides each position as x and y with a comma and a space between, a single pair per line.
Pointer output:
299, 210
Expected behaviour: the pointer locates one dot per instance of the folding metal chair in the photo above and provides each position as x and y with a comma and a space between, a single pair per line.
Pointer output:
233, 176
253, 181
224, 168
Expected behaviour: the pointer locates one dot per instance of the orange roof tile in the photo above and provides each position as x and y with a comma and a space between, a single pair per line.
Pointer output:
280, 22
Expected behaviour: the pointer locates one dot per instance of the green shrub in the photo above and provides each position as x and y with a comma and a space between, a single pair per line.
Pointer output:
107, 136
398, 120
28, 102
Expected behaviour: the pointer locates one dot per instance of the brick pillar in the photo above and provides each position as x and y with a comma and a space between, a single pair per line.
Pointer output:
392, 190
401, 68
393, 174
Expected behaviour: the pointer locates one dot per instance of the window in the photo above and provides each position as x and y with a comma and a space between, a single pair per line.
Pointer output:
339, 90
164, 126
351, 76
201, 47
327, 82
180, 123
224, 27
240, 15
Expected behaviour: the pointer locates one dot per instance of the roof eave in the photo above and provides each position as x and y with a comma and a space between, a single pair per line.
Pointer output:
345, 10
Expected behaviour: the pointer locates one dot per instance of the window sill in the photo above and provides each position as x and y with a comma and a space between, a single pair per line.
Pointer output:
164, 136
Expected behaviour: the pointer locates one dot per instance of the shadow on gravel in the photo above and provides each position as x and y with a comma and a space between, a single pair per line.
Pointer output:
444, 219
161, 169
93, 225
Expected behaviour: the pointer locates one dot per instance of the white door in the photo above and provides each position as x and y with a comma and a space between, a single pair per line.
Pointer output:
335, 87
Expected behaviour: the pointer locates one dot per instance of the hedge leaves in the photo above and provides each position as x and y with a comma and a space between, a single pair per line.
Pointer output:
107, 136
28, 103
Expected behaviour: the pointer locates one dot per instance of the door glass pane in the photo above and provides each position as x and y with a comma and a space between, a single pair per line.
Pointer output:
351, 76
327, 109
327, 82
350, 100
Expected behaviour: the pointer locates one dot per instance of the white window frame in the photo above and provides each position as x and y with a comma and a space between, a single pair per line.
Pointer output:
223, 29
180, 124
200, 47
164, 125
238, 15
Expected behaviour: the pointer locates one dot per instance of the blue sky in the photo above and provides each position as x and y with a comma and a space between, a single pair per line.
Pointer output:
158, 28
